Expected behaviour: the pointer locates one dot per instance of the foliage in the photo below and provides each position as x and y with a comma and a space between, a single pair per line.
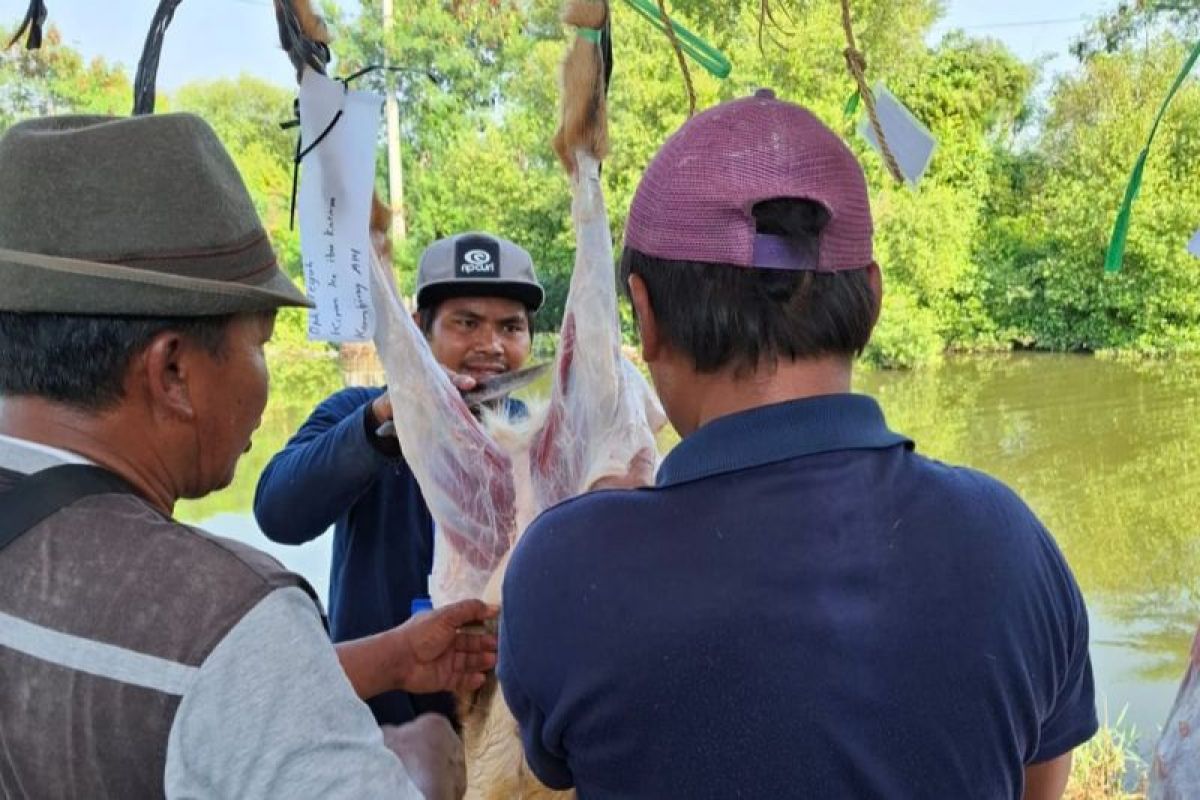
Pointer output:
907, 333
1000, 244
1108, 766
1052, 212
1129, 20
56, 80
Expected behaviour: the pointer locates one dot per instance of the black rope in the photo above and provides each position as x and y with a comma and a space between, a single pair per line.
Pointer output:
147, 71
606, 55
35, 18
384, 68
606, 51
302, 153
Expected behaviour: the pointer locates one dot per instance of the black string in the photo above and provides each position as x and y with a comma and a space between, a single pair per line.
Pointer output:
606, 57
147, 72
302, 153
383, 68
34, 19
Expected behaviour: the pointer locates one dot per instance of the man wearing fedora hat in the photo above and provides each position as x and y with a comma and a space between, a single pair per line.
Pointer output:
476, 296
802, 605
140, 657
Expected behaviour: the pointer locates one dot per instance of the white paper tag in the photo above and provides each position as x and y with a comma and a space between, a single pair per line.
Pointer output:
911, 142
337, 179
1194, 245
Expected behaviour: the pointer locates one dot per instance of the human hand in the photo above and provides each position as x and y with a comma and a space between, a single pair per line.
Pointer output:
461, 381
432, 755
436, 654
381, 407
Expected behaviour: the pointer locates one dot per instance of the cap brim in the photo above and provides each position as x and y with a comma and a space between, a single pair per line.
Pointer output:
529, 295
31, 282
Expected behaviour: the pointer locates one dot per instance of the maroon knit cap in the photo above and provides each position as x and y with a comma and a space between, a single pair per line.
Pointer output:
695, 199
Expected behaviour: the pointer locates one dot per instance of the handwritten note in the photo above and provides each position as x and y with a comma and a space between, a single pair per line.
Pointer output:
1194, 245
337, 179
911, 142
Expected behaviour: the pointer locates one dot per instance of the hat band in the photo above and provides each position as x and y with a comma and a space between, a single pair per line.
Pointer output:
248, 261
783, 252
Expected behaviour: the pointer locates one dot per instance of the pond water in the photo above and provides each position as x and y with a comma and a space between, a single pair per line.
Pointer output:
1107, 453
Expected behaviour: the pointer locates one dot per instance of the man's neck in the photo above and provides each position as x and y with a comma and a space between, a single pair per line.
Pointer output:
100, 437
728, 393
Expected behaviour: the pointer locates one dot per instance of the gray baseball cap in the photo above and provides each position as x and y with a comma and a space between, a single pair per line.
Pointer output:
477, 264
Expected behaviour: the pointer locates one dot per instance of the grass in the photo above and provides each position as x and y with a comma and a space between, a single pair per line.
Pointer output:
1108, 767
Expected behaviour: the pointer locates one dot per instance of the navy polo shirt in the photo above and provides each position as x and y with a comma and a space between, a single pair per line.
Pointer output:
802, 606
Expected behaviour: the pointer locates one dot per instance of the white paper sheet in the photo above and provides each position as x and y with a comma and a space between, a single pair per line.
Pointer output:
337, 180
911, 142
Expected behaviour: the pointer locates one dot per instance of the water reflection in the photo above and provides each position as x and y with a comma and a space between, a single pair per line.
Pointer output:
1106, 453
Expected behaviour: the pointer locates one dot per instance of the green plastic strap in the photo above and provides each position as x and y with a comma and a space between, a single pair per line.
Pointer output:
1120, 234
700, 51
590, 34
852, 104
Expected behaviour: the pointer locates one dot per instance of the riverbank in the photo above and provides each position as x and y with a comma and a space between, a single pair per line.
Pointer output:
1109, 767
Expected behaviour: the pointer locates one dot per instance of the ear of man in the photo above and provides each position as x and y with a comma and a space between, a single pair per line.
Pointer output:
164, 373
647, 324
875, 281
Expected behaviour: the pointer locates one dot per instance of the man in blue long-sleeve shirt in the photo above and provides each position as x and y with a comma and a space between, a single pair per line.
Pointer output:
476, 296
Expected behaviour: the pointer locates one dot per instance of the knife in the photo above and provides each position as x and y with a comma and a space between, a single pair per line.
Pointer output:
486, 391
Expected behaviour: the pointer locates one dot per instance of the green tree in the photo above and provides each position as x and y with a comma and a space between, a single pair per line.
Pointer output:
478, 124
1130, 20
55, 79
1051, 221
994, 246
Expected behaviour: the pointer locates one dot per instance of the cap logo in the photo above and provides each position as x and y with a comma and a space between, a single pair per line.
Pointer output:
476, 258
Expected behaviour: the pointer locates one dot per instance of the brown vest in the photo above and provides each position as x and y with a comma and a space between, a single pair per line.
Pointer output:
94, 590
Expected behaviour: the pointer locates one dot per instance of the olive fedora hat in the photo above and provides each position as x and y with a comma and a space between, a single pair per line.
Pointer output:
127, 216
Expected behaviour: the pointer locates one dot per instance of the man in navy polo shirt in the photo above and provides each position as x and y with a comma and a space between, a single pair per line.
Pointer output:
476, 296
801, 606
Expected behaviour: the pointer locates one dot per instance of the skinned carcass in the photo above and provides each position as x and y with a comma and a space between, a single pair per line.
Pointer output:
486, 479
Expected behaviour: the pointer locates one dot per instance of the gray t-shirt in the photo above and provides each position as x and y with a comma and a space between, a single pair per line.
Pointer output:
140, 657
270, 713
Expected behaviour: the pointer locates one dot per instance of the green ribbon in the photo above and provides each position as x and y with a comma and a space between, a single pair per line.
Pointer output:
590, 34
852, 104
700, 51
1120, 234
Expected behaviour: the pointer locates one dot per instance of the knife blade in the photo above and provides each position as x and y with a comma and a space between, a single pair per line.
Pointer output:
486, 391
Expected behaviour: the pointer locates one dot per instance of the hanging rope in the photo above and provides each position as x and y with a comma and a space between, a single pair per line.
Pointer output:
34, 19
683, 67
766, 21
857, 64
147, 71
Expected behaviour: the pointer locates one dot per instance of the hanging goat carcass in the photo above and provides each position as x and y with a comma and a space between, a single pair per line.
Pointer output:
486, 478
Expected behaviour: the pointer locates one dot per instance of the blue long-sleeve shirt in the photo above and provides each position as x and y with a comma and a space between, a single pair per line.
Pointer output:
333, 473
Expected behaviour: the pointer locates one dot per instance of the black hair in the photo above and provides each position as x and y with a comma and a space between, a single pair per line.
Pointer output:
724, 316
426, 314
81, 360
